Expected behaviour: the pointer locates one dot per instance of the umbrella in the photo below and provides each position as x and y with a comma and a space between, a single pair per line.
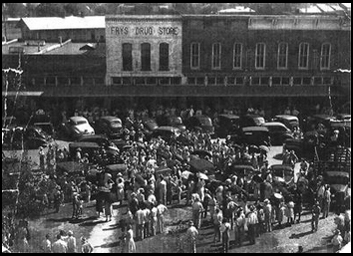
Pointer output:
278, 196
202, 176
163, 170
253, 149
186, 174
257, 178
201, 153
202, 165
264, 148
126, 147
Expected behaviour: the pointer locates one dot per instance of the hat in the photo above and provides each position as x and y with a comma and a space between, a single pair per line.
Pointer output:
133, 194
266, 201
119, 175
317, 203
78, 149
70, 233
336, 131
191, 223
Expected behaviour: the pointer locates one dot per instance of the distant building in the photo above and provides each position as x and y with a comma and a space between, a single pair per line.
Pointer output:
10, 30
78, 29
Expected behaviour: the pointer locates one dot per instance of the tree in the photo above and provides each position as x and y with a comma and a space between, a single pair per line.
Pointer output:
15, 9
50, 10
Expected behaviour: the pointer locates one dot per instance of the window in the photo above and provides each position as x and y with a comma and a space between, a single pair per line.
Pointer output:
306, 80
127, 57
276, 80
303, 62
200, 80
237, 55
239, 80
99, 80
164, 57
50, 80
63, 80
191, 80
260, 56
264, 80
285, 81
327, 80
297, 81
75, 80
176, 80
282, 56
116, 80
164, 80
325, 56
145, 57
255, 81
216, 56
195, 55
151, 80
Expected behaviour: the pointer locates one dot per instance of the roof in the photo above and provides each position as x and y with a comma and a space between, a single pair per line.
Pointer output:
274, 124
78, 118
71, 22
237, 9
255, 128
110, 118
288, 117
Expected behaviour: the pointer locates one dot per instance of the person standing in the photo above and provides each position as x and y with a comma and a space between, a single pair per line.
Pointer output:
162, 187
147, 218
59, 246
161, 210
86, 246
290, 213
140, 223
252, 221
315, 217
337, 241
320, 194
281, 213
197, 210
41, 158
239, 227
71, 243
46, 244
191, 235
298, 204
268, 215
326, 202
130, 243
120, 188
225, 231
154, 219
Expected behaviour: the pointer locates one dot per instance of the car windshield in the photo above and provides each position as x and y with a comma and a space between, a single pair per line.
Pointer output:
81, 122
177, 120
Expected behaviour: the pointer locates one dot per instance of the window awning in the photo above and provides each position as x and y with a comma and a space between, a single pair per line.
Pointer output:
29, 93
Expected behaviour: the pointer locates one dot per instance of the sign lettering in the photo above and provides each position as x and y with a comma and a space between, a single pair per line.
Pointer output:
145, 31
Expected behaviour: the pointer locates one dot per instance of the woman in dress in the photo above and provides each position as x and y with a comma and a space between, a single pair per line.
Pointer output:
130, 243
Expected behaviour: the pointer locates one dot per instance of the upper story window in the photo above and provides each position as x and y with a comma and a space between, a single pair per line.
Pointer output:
303, 61
164, 57
282, 60
216, 56
237, 56
127, 57
195, 55
260, 55
325, 56
146, 57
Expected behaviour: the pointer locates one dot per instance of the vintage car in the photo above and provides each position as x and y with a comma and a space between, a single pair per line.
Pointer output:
201, 123
251, 120
76, 127
167, 133
24, 138
288, 120
282, 173
339, 182
175, 121
278, 132
254, 135
227, 125
110, 126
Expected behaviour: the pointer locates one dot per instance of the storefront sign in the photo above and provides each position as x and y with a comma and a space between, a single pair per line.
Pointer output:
145, 31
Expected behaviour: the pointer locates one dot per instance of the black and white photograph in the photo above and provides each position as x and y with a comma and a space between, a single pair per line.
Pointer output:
176, 127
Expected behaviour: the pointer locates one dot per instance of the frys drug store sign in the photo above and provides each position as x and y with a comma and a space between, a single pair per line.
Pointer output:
145, 31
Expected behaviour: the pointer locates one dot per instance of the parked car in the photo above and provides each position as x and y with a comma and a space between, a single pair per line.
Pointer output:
311, 122
149, 124
201, 123
167, 133
175, 121
109, 125
254, 135
282, 173
288, 120
251, 120
47, 127
279, 133
227, 125
339, 182
76, 127
101, 140
304, 147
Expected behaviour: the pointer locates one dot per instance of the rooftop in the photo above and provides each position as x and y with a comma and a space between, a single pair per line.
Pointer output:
71, 22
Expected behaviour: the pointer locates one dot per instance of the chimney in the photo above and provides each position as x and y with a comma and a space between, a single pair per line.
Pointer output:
60, 40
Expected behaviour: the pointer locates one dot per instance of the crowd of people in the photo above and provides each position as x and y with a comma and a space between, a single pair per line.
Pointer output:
233, 203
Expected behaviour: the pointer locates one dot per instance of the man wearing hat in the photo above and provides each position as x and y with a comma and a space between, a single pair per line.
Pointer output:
326, 201
192, 234
337, 240
315, 216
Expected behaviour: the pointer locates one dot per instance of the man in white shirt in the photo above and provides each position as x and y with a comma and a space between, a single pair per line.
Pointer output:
71, 243
192, 234
59, 246
140, 223
46, 244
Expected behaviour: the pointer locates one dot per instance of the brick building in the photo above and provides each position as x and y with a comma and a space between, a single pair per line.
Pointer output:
221, 61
